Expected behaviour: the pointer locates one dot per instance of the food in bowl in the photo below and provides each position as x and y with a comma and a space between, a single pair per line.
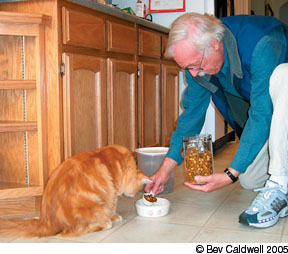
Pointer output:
150, 198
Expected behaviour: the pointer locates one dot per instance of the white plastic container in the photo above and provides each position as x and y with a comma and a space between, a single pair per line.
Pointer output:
149, 160
159, 209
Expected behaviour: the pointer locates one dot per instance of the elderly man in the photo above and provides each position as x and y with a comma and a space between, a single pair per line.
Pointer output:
240, 62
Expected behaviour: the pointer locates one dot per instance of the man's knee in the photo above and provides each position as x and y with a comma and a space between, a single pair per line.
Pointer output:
246, 183
252, 183
281, 69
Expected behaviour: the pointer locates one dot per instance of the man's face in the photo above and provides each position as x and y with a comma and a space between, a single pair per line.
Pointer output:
199, 63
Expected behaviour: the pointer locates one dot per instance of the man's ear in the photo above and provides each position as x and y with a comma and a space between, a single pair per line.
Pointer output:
215, 44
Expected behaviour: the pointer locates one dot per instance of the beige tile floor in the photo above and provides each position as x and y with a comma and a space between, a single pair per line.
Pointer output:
193, 217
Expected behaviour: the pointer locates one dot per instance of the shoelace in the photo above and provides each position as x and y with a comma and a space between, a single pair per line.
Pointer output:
260, 198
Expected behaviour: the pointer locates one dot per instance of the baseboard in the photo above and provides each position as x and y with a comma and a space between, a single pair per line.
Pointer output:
221, 141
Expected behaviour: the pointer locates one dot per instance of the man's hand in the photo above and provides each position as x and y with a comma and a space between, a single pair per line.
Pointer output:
212, 182
161, 176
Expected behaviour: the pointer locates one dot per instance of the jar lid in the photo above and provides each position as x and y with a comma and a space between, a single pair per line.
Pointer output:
197, 137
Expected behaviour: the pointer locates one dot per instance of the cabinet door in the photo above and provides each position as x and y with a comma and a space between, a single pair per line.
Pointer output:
243, 6
122, 106
149, 104
170, 101
84, 103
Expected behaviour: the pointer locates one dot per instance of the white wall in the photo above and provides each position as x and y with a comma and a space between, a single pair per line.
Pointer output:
258, 6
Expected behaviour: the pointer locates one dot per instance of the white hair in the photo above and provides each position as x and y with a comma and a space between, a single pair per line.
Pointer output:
200, 29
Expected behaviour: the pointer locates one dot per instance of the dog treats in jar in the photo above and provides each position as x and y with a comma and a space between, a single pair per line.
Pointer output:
198, 156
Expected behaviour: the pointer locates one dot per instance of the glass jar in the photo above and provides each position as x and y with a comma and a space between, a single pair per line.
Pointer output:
198, 156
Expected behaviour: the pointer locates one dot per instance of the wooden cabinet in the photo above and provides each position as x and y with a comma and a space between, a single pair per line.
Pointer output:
23, 137
170, 101
122, 103
84, 103
149, 43
115, 87
149, 101
121, 38
242, 7
82, 29
149, 82
96, 79
164, 39
133, 111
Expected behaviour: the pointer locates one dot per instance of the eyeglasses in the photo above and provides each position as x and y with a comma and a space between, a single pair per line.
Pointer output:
197, 68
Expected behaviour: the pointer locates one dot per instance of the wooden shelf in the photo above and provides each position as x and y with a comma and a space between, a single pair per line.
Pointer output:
19, 208
12, 126
17, 84
23, 143
16, 190
24, 18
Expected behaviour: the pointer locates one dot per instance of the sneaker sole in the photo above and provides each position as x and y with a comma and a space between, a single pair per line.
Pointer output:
282, 213
265, 224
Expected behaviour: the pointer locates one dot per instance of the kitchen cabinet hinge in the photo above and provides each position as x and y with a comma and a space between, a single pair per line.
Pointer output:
138, 73
62, 69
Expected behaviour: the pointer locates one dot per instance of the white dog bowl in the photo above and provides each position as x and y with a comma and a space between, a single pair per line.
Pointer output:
158, 209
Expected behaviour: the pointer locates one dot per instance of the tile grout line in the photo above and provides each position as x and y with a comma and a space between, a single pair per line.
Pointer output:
116, 230
168, 223
230, 229
283, 230
79, 241
254, 230
210, 217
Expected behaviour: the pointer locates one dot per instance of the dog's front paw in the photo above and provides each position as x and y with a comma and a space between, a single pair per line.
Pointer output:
116, 218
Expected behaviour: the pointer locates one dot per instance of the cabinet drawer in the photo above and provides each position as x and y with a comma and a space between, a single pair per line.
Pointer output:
122, 38
149, 44
82, 29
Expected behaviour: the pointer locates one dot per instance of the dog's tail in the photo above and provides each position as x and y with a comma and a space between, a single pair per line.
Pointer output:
24, 228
